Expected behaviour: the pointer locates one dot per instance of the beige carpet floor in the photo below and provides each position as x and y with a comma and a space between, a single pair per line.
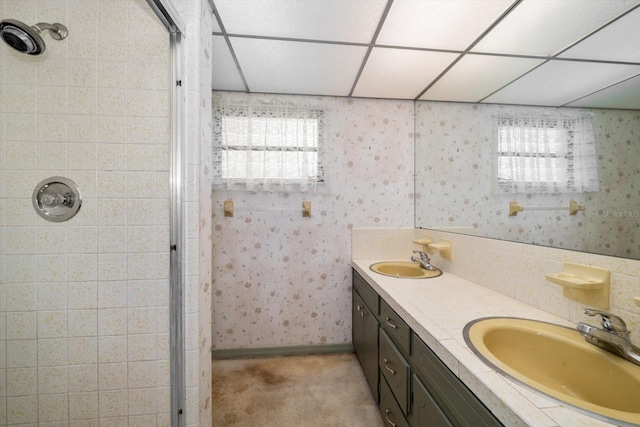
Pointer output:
293, 391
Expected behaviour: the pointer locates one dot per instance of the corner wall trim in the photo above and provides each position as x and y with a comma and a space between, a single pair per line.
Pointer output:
241, 353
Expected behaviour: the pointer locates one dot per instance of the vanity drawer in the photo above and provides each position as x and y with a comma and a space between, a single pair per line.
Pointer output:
460, 405
395, 369
397, 329
391, 412
367, 293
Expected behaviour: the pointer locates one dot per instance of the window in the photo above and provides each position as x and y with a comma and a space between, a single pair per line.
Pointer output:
268, 147
546, 155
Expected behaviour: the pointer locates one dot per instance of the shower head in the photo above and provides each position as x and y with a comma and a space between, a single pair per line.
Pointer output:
26, 39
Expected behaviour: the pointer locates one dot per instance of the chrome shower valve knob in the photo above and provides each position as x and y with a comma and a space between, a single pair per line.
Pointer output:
56, 199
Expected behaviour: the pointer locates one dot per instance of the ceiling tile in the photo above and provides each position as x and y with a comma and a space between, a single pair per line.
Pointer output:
439, 24
224, 70
348, 21
619, 41
400, 74
475, 77
559, 82
216, 26
298, 67
625, 95
545, 27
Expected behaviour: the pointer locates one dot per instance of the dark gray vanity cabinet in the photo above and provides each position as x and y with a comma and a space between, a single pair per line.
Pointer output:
365, 331
412, 386
456, 401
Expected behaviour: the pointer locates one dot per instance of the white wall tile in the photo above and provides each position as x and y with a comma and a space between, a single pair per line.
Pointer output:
21, 297
112, 403
82, 156
82, 267
52, 296
22, 268
21, 155
112, 376
53, 407
112, 267
52, 239
111, 349
22, 381
142, 374
52, 324
83, 323
142, 320
142, 347
53, 379
83, 73
111, 238
142, 401
82, 295
20, 410
83, 405
83, 378
82, 100
52, 352
83, 128
22, 353
112, 321
52, 268
20, 240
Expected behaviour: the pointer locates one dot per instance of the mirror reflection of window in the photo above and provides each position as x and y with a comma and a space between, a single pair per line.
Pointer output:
545, 155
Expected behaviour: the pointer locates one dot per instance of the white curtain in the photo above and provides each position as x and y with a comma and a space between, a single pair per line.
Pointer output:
546, 154
268, 146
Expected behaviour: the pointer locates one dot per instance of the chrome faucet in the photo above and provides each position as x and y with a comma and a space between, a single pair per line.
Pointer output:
424, 261
613, 337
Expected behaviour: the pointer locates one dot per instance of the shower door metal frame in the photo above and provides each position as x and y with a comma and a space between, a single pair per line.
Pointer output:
172, 20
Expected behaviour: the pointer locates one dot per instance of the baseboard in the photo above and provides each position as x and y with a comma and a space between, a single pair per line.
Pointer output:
241, 353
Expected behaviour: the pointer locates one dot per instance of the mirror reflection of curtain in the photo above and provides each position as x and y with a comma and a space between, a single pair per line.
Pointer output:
545, 155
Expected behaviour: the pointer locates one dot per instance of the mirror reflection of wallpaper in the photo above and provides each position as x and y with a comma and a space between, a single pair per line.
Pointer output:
454, 173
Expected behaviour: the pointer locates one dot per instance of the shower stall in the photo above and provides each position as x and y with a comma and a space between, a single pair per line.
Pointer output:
91, 309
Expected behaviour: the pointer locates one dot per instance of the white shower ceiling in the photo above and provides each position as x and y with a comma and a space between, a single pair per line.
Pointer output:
583, 53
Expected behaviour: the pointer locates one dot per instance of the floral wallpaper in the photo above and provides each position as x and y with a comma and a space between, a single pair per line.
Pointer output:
284, 280
453, 163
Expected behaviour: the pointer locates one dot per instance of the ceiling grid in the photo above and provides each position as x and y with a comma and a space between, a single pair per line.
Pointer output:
582, 53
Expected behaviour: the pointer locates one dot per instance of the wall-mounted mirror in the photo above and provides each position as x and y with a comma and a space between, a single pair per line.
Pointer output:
455, 182
597, 75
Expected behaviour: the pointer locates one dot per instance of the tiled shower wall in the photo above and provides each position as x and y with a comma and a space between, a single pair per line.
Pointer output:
84, 315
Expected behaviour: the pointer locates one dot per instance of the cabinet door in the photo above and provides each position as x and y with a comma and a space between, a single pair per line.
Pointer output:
357, 328
365, 342
460, 405
425, 412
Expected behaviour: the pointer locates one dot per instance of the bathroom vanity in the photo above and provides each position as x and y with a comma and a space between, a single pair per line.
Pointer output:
408, 335
412, 386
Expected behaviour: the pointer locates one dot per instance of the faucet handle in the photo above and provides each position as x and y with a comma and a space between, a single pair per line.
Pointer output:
423, 256
609, 321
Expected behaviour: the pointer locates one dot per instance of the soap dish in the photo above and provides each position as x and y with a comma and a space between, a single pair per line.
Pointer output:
584, 283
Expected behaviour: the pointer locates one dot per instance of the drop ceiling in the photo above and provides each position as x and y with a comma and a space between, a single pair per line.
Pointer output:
577, 53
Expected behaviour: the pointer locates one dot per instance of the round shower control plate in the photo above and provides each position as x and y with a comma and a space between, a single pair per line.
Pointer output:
56, 199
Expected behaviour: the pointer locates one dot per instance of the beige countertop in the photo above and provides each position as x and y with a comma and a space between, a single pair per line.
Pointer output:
437, 310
